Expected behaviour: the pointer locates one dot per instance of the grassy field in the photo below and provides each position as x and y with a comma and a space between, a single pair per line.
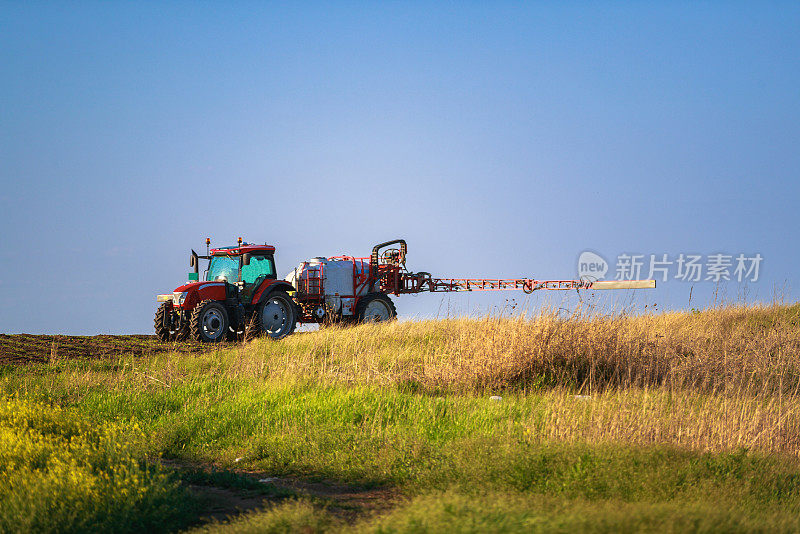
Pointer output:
662, 422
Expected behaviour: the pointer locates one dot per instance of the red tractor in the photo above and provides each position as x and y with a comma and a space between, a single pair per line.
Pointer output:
241, 292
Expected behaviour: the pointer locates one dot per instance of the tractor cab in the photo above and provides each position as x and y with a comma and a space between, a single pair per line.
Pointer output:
245, 266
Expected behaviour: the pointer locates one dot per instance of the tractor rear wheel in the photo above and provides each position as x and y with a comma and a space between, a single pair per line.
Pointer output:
277, 315
375, 308
209, 322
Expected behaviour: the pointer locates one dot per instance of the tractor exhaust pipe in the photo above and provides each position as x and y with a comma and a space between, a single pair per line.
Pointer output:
194, 262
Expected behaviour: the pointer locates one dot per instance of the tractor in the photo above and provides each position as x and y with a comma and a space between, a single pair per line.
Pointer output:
241, 295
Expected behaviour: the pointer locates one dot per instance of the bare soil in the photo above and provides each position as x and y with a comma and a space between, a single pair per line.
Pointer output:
27, 348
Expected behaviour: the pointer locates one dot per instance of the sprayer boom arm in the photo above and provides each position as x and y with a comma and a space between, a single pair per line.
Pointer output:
415, 283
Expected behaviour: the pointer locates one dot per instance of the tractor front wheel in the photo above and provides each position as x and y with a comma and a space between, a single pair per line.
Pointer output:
163, 321
209, 322
169, 325
277, 315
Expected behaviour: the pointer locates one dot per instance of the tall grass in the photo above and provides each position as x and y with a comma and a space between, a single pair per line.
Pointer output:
749, 350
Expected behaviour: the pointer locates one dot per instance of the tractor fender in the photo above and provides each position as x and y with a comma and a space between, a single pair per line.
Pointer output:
268, 287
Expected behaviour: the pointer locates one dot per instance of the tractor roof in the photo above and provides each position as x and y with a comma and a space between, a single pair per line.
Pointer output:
244, 248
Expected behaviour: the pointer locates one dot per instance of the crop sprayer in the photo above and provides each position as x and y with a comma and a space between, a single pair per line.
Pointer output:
241, 294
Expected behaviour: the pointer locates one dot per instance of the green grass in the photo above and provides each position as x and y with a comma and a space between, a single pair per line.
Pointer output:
481, 511
371, 436
294, 516
632, 457
460, 512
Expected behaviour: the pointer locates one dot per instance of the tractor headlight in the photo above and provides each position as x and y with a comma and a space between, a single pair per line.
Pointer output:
178, 298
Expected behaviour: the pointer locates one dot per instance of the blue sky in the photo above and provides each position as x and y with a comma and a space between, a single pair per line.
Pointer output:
500, 139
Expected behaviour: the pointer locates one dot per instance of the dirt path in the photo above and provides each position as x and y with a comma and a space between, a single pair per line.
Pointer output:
343, 500
252, 490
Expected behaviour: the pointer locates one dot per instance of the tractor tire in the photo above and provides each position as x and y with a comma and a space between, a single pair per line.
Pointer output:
163, 322
375, 308
237, 330
209, 322
276, 315
182, 333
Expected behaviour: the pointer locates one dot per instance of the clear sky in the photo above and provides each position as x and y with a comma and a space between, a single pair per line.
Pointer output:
500, 139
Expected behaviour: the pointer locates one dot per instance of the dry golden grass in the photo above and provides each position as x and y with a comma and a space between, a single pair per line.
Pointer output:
734, 349
653, 417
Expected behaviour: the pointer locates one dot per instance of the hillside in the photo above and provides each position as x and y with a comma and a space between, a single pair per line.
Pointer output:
659, 422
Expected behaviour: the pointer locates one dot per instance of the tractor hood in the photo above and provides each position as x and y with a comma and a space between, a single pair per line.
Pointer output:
191, 286
189, 295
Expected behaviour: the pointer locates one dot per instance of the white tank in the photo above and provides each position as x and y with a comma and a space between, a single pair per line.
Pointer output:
337, 277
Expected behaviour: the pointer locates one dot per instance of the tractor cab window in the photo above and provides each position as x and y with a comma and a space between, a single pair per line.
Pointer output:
223, 269
260, 268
